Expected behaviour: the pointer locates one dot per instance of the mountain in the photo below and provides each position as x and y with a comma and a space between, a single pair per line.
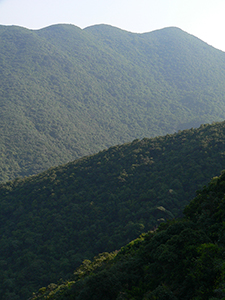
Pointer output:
67, 92
181, 260
51, 222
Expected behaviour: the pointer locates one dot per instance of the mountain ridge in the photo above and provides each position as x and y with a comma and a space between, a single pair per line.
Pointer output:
67, 92
51, 222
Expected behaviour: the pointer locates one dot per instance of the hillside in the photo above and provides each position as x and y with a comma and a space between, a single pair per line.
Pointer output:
67, 92
182, 260
51, 222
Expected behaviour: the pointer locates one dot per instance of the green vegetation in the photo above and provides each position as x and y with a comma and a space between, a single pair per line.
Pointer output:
51, 222
67, 92
181, 260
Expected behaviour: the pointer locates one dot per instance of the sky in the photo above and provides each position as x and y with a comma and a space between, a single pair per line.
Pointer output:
201, 18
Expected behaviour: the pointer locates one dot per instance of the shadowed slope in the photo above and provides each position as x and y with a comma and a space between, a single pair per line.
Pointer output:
51, 222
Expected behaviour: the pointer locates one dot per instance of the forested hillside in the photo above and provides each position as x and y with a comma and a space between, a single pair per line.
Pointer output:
51, 222
182, 260
67, 92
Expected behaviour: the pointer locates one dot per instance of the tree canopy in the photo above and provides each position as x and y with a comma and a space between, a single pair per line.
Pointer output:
182, 259
51, 222
67, 92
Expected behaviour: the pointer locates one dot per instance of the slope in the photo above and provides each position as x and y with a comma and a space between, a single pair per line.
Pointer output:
67, 92
51, 222
182, 260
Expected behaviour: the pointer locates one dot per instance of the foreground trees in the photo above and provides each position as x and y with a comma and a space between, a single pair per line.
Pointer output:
182, 259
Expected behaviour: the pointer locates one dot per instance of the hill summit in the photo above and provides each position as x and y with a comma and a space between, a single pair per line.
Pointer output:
67, 92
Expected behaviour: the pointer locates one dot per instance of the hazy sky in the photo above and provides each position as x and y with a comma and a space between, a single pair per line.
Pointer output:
202, 18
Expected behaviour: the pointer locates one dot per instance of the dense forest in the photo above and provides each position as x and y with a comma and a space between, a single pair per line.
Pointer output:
67, 92
181, 260
51, 222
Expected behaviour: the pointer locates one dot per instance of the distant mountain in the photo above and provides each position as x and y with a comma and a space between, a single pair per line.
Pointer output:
51, 222
182, 260
67, 92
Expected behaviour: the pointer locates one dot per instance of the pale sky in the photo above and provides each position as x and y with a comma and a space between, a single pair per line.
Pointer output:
204, 19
